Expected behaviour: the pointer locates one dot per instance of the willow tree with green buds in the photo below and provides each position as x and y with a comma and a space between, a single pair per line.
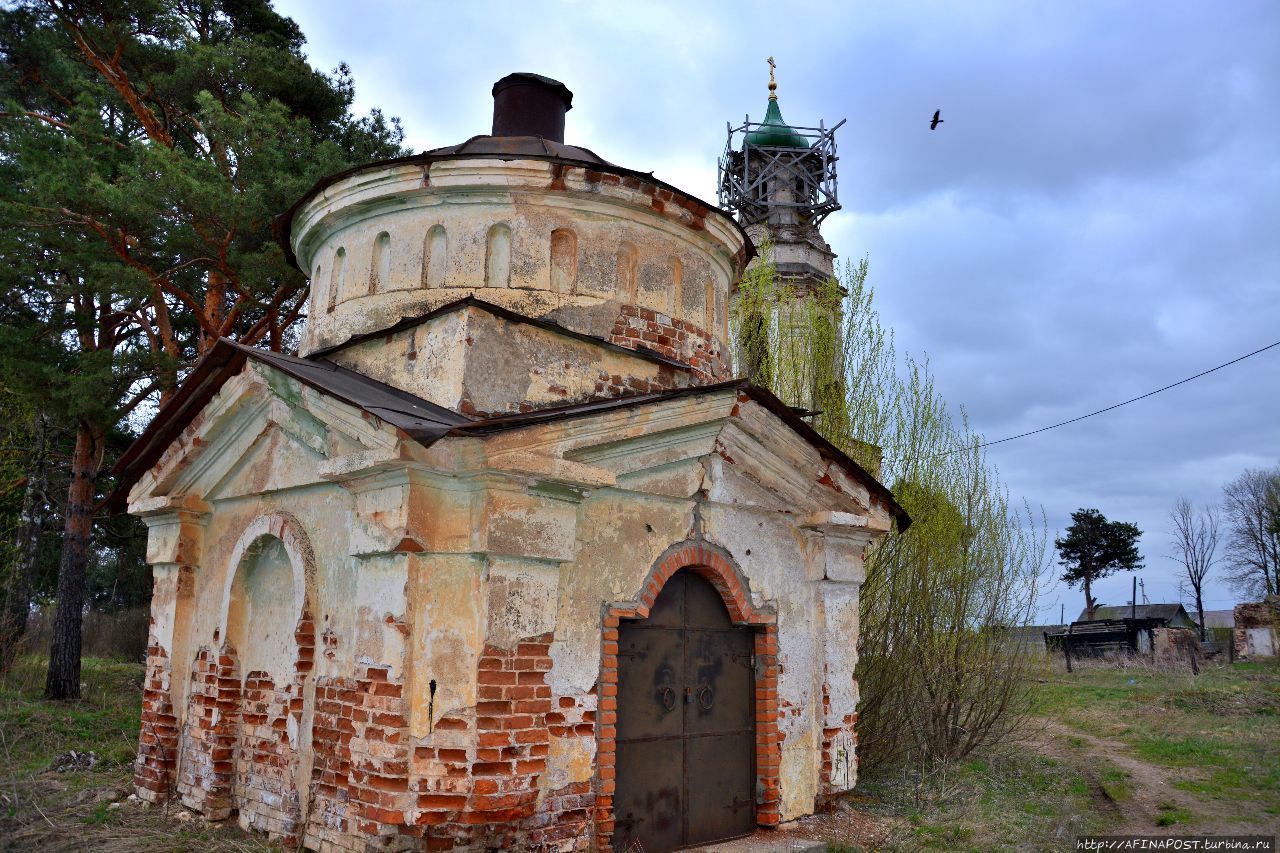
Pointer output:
940, 669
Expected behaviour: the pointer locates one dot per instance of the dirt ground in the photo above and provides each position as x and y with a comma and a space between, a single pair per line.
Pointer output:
1106, 750
1151, 787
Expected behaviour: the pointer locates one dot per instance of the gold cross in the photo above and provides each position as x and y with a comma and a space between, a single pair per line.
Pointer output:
773, 84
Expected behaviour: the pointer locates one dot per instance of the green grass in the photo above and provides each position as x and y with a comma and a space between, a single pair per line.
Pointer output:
1171, 814
1009, 800
102, 814
43, 809
1220, 730
1181, 752
34, 731
1214, 738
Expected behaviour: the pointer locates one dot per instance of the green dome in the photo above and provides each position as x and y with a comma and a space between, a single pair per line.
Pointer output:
774, 132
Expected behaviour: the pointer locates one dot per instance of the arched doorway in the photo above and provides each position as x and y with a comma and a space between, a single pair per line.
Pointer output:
270, 637
686, 734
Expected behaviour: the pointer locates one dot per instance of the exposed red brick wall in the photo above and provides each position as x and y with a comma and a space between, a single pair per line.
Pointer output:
478, 780
712, 564
158, 740
1254, 614
266, 792
839, 743
330, 811
360, 762
673, 338
768, 736
206, 775
485, 789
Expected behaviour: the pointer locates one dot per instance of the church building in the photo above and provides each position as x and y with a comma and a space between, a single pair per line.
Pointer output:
506, 558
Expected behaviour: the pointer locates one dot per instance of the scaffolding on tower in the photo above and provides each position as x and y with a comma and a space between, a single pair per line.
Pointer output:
748, 171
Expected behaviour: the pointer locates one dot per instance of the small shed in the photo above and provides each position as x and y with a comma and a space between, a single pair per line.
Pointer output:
1126, 629
1099, 637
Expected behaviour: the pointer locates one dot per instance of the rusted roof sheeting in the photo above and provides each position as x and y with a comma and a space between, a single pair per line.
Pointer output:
421, 419
760, 395
508, 315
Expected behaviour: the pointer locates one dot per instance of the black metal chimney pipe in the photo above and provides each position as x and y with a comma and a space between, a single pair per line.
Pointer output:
530, 105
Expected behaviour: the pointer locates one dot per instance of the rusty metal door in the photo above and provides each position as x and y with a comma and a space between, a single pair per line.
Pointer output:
686, 739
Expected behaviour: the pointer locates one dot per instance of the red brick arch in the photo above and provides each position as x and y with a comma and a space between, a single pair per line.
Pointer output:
717, 567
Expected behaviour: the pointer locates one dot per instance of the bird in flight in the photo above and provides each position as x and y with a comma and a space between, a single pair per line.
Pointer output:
937, 120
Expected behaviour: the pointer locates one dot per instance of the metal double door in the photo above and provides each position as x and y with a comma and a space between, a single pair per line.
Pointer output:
686, 723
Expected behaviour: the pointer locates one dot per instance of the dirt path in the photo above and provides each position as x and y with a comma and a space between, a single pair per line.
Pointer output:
1150, 786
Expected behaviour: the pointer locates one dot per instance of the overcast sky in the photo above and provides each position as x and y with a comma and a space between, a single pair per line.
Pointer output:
1098, 216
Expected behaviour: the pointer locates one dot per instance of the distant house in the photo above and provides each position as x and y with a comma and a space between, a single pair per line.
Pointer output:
1216, 619
1170, 615
1122, 629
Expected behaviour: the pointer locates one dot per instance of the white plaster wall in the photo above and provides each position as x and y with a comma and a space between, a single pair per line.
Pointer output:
620, 537
467, 198
780, 561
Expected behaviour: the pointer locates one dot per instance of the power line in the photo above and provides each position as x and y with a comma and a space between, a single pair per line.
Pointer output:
1117, 405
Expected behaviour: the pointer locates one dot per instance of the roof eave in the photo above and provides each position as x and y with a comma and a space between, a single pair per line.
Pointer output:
282, 225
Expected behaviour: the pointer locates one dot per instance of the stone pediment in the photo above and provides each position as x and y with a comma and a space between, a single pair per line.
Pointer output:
263, 431
274, 425
327, 410
720, 442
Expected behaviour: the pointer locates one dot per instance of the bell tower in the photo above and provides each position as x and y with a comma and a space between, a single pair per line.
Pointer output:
779, 180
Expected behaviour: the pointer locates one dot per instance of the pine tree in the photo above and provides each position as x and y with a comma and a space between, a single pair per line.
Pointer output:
145, 148
1095, 548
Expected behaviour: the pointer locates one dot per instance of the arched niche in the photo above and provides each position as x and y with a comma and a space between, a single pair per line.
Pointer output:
337, 278
270, 638
435, 254
628, 260
709, 305
270, 576
262, 611
380, 264
564, 260
676, 290
497, 259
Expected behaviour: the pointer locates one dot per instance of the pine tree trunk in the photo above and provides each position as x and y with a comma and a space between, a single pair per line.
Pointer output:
16, 593
1088, 599
63, 681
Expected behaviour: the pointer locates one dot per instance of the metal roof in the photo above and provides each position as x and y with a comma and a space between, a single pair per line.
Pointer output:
1216, 618
1168, 612
754, 392
524, 146
774, 132
422, 420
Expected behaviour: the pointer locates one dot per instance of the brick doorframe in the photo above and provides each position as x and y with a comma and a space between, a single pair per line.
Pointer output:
716, 566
